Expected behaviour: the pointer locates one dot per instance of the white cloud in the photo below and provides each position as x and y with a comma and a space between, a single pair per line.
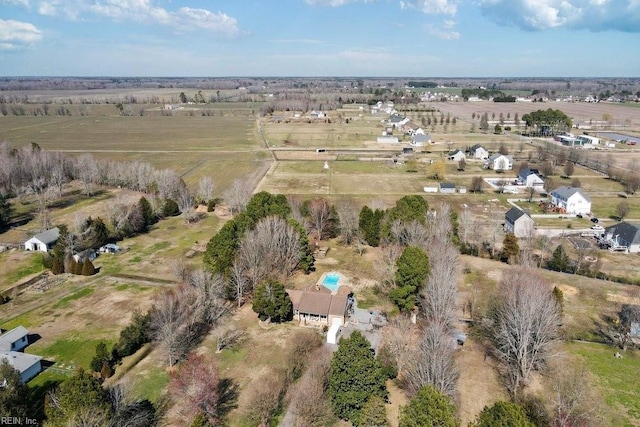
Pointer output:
446, 31
594, 15
23, 3
16, 34
444, 7
145, 11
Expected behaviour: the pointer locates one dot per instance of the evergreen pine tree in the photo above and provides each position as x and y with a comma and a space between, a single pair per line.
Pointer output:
87, 268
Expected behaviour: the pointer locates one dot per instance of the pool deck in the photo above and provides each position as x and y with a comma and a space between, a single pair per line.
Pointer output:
343, 282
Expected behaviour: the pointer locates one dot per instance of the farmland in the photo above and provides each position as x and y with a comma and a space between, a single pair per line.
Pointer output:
279, 156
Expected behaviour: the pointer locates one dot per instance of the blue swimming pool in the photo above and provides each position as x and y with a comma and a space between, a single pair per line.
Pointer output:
330, 281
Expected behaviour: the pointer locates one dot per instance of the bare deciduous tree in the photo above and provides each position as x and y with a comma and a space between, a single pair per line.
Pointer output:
227, 336
265, 398
309, 405
320, 218
396, 338
438, 297
237, 195
205, 189
526, 321
574, 399
432, 361
348, 218
386, 268
272, 249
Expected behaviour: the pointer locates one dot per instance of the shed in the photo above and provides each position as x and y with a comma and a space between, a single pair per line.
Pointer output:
43, 241
447, 187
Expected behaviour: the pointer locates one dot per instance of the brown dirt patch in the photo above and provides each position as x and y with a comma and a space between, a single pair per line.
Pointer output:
397, 399
623, 299
568, 291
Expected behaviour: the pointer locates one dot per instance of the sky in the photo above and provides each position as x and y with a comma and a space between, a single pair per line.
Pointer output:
368, 38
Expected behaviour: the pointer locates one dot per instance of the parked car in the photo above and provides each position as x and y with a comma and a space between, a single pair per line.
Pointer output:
594, 220
597, 227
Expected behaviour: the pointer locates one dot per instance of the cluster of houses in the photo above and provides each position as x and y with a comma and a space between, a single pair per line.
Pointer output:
12, 344
403, 124
46, 240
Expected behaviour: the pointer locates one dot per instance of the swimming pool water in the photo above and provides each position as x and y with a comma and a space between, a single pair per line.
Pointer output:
330, 282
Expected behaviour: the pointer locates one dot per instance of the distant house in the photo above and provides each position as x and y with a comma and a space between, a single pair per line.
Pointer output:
479, 152
518, 222
447, 187
11, 344
589, 140
109, 248
319, 308
499, 162
317, 114
530, 177
89, 254
624, 234
630, 317
571, 200
420, 140
456, 155
14, 340
398, 121
43, 241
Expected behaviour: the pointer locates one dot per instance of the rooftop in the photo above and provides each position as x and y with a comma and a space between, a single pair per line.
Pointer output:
12, 336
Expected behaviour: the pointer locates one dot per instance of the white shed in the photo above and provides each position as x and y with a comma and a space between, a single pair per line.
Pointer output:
334, 331
43, 241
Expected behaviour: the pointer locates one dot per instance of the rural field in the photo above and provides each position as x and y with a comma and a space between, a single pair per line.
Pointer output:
232, 142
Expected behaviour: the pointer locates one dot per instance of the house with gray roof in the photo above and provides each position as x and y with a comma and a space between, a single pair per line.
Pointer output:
11, 344
623, 234
499, 162
479, 152
456, 155
420, 140
571, 200
447, 188
43, 241
14, 340
531, 177
518, 222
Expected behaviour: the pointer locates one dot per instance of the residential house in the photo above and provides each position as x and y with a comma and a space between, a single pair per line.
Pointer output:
447, 188
630, 317
319, 308
479, 152
317, 114
499, 162
29, 365
623, 235
456, 155
90, 254
398, 121
14, 340
11, 344
420, 140
571, 200
109, 248
589, 140
518, 222
530, 178
43, 241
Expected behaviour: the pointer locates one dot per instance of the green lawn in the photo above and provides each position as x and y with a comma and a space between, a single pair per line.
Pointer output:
14, 271
64, 302
74, 351
617, 379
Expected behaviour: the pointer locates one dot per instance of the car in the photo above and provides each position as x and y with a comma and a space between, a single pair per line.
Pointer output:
597, 227
594, 220
579, 216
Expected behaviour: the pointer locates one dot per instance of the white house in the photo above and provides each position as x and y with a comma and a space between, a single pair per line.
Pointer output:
479, 152
420, 140
571, 200
447, 188
499, 162
623, 234
14, 340
456, 155
518, 222
11, 344
530, 178
43, 241
398, 121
